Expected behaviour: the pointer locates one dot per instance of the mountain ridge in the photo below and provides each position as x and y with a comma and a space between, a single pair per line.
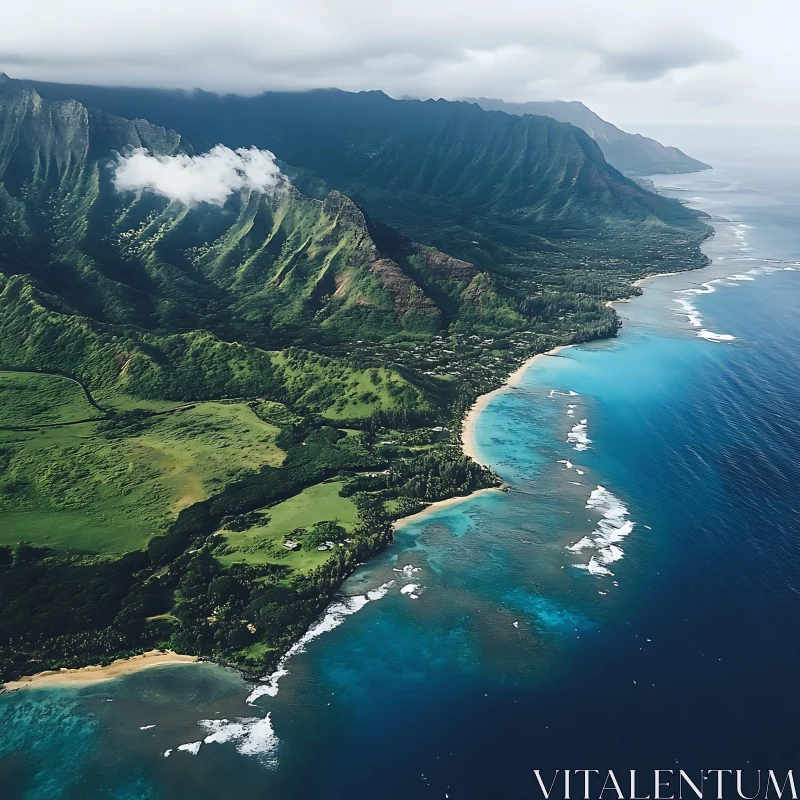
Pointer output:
631, 153
486, 187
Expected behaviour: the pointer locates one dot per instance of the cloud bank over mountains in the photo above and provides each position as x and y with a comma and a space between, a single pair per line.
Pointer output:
664, 60
210, 177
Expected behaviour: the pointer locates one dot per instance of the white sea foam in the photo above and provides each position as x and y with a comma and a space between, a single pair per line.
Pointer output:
413, 590
407, 571
613, 528
335, 614
693, 315
190, 747
167, 752
579, 545
578, 437
566, 462
381, 591
146, 727
556, 393
739, 232
253, 736
715, 337
611, 554
691, 312
594, 567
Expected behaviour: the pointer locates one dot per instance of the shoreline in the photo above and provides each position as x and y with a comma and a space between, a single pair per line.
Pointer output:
438, 505
97, 674
468, 426
154, 658
658, 275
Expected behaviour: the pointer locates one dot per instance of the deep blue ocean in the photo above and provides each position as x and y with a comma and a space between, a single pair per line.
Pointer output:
634, 602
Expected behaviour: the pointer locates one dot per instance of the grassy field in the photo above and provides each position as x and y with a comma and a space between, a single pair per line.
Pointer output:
118, 401
72, 488
205, 447
263, 544
341, 392
363, 397
28, 399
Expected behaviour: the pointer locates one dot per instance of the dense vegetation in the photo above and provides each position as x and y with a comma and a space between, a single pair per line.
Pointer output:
630, 153
186, 391
185, 591
486, 187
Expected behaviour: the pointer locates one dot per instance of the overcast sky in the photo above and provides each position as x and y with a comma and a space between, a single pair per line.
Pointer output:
632, 61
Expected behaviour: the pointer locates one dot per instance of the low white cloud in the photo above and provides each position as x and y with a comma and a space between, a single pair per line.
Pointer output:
629, 60
210, 177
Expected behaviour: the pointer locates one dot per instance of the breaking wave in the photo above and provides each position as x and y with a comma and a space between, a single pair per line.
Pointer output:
253, 736
335, 614
612, 529
578, 436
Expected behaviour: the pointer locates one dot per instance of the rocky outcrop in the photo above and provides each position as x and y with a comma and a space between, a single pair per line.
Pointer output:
442, 264
407, 295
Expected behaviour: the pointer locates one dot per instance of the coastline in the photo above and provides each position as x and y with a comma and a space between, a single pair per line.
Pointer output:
154, 658
658, 275
468, 428
98, 674
440, 504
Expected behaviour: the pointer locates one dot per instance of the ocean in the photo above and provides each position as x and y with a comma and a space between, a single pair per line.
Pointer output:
631, 603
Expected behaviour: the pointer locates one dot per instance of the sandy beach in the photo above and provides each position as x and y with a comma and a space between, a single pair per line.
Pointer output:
468, 443
440, 504
96, 674
658, 275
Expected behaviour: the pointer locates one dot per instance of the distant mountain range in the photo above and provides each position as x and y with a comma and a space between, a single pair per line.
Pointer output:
629, 152
488, 188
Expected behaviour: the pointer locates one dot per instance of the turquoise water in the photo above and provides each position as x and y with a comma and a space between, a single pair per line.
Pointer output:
504, 653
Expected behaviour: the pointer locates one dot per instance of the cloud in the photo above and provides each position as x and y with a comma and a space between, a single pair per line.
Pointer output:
652, 60
624, 57
210, 177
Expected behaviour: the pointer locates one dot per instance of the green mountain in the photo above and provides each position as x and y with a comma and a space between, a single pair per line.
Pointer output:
631, 153
210, 414
258, 267
140, 297
267, 271
487, 187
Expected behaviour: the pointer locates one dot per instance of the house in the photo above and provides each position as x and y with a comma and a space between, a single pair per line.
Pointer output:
290, 544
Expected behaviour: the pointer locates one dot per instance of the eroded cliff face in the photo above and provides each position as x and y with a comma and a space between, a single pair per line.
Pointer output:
280, 258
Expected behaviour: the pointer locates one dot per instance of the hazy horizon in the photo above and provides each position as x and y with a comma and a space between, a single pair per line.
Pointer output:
683, 61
